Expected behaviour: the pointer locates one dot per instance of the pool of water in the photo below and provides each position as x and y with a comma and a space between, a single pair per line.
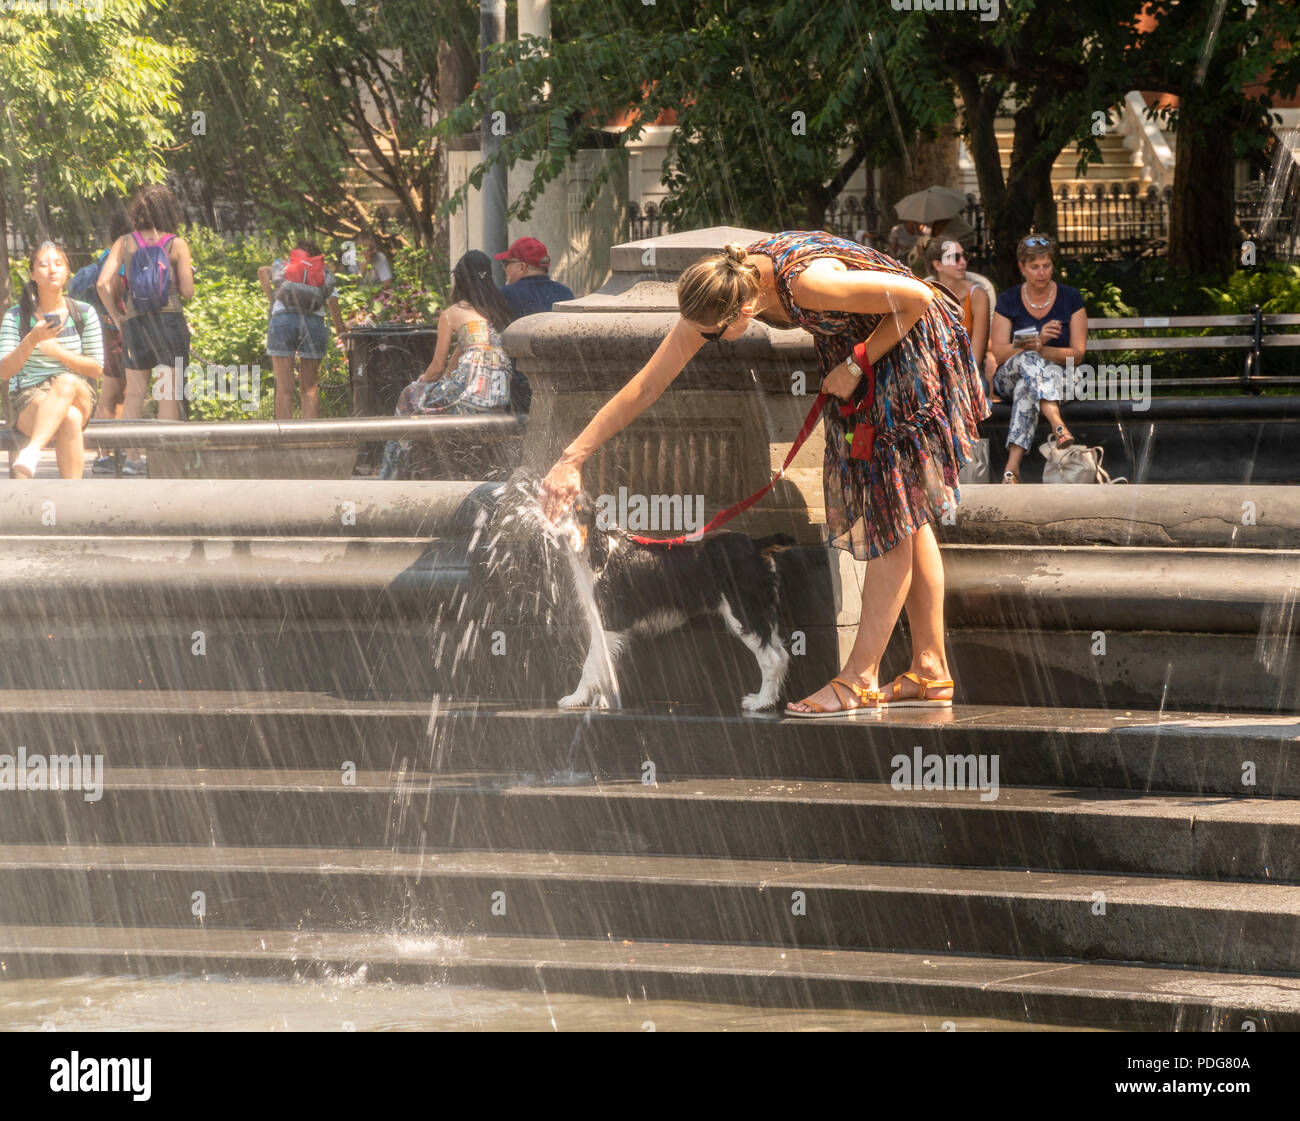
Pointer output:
188, 1003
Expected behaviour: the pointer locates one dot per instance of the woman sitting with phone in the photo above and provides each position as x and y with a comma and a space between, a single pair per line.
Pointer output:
49, 346
1038, 327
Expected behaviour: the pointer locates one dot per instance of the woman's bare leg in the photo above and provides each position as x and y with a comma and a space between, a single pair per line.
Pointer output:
925, 615
169, 403
1052, 414
308, 371
282, 367
1015, 455
137, 384
885, 586
70, 445
111, 392
39, 422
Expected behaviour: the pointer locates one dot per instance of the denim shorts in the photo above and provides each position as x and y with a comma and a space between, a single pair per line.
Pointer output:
293, 332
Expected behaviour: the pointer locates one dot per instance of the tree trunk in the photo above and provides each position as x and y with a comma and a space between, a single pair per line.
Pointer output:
928, 163
1030, 177
456, 71
1045, 218
814, 211
1203, 237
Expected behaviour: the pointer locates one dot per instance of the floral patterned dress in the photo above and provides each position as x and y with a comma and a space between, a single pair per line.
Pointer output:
480, 383
929, 400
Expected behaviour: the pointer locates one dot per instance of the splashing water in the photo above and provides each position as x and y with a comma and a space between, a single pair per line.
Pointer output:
1283, 178
521, 518
1203, 66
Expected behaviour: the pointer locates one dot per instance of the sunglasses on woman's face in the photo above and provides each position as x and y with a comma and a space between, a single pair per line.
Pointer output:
714, 336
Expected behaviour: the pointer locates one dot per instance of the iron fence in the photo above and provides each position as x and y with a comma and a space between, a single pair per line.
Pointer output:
1114, 221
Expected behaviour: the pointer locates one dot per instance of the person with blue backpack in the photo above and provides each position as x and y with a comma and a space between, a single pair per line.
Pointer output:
150, 271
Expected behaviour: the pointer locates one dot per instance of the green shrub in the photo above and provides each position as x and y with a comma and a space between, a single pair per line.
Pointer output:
1102, 295
1275, 288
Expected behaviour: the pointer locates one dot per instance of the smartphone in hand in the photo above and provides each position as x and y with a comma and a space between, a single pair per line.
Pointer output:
52, 319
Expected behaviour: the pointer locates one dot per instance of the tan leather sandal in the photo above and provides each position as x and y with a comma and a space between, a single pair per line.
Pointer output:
867, 701
923, 685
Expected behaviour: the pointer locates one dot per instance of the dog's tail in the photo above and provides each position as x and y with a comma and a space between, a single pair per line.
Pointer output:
773, 542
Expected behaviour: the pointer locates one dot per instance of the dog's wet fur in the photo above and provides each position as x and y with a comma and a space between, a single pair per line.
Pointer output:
654, 589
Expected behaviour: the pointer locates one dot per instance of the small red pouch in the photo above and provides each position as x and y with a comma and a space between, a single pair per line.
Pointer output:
862, 441
862, 438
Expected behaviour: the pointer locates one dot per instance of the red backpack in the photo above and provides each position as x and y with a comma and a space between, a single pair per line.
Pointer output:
303, 269
303, 287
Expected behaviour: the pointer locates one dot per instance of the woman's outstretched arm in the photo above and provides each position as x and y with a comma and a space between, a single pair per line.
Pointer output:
562, 484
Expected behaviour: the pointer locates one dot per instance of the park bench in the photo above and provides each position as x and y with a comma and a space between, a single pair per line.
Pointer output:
1262, 333
1235, 436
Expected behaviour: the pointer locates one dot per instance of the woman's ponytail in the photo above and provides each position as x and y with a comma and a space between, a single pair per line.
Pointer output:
27, 307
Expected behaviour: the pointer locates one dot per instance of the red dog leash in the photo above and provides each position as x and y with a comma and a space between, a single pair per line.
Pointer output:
862, 442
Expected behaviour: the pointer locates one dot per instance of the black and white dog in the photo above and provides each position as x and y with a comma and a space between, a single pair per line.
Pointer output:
653, 589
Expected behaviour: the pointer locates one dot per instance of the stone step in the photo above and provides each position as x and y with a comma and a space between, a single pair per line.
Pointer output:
1020, 827
1152, 919
221, 508
1136, 751
946, 984
1183, 627
1222, 591
289, 594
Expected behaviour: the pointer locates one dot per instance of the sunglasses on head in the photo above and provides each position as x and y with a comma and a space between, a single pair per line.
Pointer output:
1036, 241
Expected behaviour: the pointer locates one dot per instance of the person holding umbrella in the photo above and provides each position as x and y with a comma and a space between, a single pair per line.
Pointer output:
923, 213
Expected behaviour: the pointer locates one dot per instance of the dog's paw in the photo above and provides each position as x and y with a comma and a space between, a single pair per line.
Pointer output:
756, 702
585, 700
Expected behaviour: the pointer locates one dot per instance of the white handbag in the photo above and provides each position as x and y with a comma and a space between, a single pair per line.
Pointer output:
1075, 464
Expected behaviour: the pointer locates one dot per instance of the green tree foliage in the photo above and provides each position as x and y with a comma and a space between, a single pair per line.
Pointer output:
766, 134
87, 108
1227, 65
309, 105
870, 80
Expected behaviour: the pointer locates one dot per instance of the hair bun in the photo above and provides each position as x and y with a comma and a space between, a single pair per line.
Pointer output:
735, 252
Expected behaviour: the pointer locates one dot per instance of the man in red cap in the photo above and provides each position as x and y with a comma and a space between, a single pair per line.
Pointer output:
528, 287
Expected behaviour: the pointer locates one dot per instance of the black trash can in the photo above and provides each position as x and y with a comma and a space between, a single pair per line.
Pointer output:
382, 361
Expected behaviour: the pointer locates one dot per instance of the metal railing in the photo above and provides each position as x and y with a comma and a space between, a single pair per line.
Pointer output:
1111, 221
645, 221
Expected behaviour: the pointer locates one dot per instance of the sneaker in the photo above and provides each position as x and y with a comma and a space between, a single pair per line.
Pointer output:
25, 462
136, 467
103, 466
